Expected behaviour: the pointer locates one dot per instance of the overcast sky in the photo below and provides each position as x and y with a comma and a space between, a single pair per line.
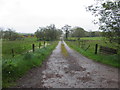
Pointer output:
27, 15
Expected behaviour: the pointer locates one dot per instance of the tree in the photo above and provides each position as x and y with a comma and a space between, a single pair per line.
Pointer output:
51, 32
48, 33
66, 28
78, 32
109, 21
39, 33
9, 34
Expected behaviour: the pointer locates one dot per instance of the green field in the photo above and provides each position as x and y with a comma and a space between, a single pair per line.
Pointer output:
82, 47
96, 40
87, 38
19, 47
92, 38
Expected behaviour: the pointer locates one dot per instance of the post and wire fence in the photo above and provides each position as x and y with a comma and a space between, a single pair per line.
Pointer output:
33, 47
94, 48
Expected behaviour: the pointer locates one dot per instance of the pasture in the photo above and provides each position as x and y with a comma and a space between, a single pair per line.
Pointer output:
19, 46
86, 46
87, 38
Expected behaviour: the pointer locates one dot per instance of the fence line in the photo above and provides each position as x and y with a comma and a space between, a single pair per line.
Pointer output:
102, 49
32, 46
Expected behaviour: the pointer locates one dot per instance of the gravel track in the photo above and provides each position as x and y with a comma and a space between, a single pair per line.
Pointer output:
74, 71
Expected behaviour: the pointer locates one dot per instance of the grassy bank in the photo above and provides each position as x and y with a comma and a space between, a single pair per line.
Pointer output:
82, 48
14, 68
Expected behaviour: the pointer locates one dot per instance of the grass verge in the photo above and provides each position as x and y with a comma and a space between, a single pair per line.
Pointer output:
63, 50
14, 68
111, 60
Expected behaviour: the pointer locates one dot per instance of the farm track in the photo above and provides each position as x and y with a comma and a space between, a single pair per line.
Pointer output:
73, 71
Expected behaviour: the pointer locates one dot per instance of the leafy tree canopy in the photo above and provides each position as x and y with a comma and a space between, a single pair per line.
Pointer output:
109, 18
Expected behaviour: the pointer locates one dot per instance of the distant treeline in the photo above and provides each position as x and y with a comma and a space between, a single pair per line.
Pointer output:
11, 35
80, 32
48, 33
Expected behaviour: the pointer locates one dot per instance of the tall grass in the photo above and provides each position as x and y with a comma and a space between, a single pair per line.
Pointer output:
16, 67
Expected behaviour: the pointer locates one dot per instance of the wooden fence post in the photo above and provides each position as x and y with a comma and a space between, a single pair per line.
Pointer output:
44, 43
33, 47
39, 44
13, 53
96, 47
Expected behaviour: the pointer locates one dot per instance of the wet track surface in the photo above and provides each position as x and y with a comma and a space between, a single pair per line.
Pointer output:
73, 71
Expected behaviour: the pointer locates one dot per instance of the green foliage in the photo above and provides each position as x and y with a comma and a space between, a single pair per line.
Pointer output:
80, 32
66, 28
9, 68
48, 33
77, 32
109, 20
9, 34
28, 56
14, 68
